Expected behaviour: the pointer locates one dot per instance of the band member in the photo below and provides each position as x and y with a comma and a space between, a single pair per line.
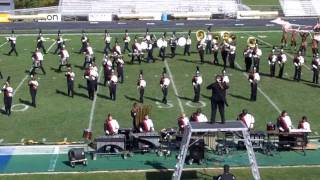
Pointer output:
304, 43
232, 53
107, 41
173, 44
111, 126
196, 83
215, 49
225, 77
284, 122
146, 125
136, 51
126, 40
272, 59
218, 98
64, 57
84, 42
33, 88
120, 69
294, 39
113, 86
141, 85
183, 121
248, 57
198, 116
208, 41
1, 76
188, 44
162, 51
316, 38
37, 58
256, 55
7, 97
225, 51
284, 39
59, 42
40, 42
315, 68
91, 75
147, 36
254, 78
304, 124
282, 59
70, 81
88, 56
246, 118
150, 51
107, 69
201, 45
116, 48
226, 174
164, 84
134, 111
298, 61
12, 40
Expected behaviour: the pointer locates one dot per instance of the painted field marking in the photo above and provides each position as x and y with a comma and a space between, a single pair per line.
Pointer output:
174, 86
3, 44
54, 158
201, 104
93, 106
19, 107
263, 93
164, 106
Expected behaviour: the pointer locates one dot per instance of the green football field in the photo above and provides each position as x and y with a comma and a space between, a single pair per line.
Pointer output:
58, 116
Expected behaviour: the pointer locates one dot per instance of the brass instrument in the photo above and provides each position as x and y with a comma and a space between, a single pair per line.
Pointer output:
233, 37
252, 42
216, 39
201, 35
143, 110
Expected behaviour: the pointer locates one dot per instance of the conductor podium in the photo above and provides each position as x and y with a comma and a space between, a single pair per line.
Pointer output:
228, 126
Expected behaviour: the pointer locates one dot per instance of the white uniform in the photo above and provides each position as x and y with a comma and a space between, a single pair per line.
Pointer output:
114, 79
147, 126
198, 81
112, 127
256, 78
8, 89
306, 126
288, 122
64, 57
248, 119
142, 83
202, 118
166, 82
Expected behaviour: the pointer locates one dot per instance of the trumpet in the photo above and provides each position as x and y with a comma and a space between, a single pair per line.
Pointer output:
251, 42
201, 35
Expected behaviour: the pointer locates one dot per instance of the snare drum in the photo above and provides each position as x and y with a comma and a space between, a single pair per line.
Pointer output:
87, 134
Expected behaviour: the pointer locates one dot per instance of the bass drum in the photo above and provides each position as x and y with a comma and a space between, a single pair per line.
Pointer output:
182, 41
144, 45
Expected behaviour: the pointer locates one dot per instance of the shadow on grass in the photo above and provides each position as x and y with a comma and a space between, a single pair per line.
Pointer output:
153, 99
103, 96
312, 85
239, 97
185, 98
131, 98
26, 102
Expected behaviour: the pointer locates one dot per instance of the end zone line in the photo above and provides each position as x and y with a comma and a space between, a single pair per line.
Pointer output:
270, 45
174, 86
263, 93
93, 106
54, 158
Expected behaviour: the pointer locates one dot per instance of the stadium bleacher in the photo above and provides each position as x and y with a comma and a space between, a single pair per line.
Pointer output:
300, 7
67, 7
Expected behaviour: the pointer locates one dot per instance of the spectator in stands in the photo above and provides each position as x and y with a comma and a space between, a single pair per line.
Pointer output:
226, 174
111, 126
198, 116
146, 125
284, 122
304, 124
246, 118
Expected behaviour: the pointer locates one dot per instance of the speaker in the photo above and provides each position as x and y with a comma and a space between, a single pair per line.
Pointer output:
77, 155
196, 150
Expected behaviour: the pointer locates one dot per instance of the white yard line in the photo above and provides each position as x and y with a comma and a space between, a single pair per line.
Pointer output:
54, 158
174, 86
4, 44
93, 106
270, 45
263, 93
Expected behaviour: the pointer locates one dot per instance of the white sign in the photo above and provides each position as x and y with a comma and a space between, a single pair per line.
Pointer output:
51, 17
100, 17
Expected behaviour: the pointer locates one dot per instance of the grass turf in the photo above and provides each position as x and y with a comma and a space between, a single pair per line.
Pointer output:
58, 116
